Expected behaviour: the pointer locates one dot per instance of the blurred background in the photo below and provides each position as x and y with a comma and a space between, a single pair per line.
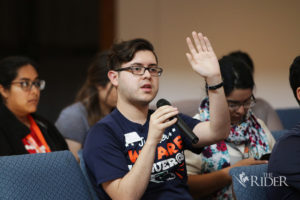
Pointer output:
63, 36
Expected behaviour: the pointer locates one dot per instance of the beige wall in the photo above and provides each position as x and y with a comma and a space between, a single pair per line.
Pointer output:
268, 30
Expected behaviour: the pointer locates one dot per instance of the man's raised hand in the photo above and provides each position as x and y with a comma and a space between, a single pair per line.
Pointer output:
202, 57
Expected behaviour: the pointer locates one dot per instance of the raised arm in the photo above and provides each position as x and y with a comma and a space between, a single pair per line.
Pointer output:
204, 62
133, 185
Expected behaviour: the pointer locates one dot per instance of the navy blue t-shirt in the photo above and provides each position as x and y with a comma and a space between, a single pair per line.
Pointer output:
114, 143
285, 162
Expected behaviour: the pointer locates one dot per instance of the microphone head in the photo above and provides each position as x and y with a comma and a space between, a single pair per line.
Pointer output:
162, 102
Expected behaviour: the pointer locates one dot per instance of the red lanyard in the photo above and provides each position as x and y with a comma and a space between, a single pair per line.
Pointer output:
36, 130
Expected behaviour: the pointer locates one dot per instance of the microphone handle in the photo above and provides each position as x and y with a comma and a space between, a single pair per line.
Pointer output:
185, 129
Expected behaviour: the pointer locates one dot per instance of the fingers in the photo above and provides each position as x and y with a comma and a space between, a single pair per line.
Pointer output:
197, 40
163, 116
258, 162
202, 43
208, 44
190, 59
164, 113
160, 120
170, 122
250, 161
191, 46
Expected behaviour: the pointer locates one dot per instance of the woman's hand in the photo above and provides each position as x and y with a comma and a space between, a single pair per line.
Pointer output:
249, 161
244, 162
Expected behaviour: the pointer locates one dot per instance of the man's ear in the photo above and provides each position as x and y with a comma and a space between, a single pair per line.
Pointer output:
3, 92
298, 93
113, 77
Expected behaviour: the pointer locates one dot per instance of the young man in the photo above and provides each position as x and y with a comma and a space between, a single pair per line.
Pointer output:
136, 153
284, 163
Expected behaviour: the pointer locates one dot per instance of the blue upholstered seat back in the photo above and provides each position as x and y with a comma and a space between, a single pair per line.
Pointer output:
47, 176
244, 181
278, 134
289, 117
85, 173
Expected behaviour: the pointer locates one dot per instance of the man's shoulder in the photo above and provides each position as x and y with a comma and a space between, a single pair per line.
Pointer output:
111, 118
292, 135
109, 123
290, 140
286, 149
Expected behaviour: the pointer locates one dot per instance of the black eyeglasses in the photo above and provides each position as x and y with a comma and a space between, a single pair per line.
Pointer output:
26, 85
140, 70
234, 106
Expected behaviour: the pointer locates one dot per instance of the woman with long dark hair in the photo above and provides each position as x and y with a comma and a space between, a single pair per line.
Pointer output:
96, 98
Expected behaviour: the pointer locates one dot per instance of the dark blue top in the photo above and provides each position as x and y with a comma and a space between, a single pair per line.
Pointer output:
285, 162
113, 145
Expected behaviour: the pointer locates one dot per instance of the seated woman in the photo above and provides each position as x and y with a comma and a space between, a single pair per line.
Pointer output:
262, 109
21, 131
249, 137
96, 98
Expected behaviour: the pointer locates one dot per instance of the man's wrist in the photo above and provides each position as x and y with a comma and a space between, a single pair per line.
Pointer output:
151, 142
214, 87
214, 80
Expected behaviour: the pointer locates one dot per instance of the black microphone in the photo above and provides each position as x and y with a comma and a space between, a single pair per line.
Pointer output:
180, 123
